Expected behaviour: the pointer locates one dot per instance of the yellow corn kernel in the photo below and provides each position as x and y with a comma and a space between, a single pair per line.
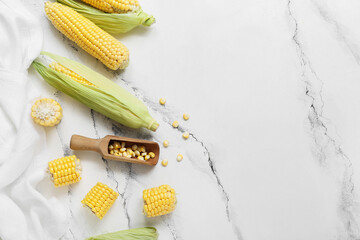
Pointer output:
162, 101
186, 116
137, 153
186, 135
151, 154
46, 112
140, 157
166, 143
88, 36
175, 124
134, 147
164, 162
142, 149
62, 168
179, 157
147, 157
99, 199
114, 6
159, 201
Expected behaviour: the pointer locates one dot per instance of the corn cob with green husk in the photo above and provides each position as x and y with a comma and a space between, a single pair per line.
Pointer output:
95, 91
88, 36
104, 14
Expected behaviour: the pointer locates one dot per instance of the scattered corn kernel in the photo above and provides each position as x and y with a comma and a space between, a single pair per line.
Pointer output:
166, 143
137, 153
159, 201
147, 157
186, 135
151, 154
140, 157
186, 116
99, 199
162, 101
179, 157
164, 162
175, 124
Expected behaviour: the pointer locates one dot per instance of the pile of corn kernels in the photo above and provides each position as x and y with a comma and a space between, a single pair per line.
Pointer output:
119, 149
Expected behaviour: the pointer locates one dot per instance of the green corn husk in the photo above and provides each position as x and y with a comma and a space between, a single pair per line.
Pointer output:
113, 23
146, 233
107, 97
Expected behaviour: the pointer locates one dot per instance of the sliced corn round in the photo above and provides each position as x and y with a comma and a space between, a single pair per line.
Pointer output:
46, 112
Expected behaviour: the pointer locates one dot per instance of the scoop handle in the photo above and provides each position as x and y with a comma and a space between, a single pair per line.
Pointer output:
78, 142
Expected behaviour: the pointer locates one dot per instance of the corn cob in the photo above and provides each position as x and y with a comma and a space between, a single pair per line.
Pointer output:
65, 170
99, 199
96, 91
46, 112
114, 6
111, 22
159, 201
88, 36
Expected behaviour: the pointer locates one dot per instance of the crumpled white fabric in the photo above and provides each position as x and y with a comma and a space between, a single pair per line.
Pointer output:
24, 212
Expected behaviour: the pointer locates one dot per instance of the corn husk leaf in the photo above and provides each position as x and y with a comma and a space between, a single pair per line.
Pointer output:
146, 233
114, 23
107, 97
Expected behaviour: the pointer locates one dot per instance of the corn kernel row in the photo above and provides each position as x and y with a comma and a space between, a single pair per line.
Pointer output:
119, 149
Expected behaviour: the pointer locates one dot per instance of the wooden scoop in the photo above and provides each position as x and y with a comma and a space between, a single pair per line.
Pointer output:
101, 145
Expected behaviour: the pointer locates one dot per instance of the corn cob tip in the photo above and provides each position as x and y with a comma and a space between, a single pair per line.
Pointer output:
154, 126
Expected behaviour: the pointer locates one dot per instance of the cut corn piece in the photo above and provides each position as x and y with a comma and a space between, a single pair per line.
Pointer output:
99, 199
162, 101
175, 124
159, 201
164, 162
114, 6
179, 157
186, 116
88, 36
46, 112
186, 135
65, 170
166, 143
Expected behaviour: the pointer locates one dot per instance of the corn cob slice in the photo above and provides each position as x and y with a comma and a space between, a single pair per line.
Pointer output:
102, 95
99, 199
110, 22
88, 36
65, 170
114, 6
159, 201
46, 112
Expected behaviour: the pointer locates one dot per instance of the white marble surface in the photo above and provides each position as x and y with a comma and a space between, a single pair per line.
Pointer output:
272, 89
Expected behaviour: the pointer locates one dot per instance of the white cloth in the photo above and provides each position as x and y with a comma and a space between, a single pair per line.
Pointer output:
24, 212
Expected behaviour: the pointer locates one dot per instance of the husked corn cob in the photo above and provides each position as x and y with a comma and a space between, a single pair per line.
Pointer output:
114, 6
99, 199
95, 91
65, 170
46, 112
88, 36
159, 201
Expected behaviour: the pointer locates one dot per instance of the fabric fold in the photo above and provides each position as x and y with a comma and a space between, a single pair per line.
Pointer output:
24, 212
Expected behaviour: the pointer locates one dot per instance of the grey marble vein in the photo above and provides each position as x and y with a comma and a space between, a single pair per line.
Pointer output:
340, 31
326, 146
